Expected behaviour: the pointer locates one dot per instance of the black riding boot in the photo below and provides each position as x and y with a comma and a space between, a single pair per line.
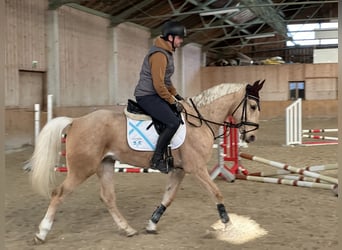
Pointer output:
157, 161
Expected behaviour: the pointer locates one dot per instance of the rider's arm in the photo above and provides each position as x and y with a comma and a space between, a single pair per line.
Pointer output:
158, 62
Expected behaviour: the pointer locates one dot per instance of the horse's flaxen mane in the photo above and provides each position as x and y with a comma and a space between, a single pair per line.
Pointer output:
209, 95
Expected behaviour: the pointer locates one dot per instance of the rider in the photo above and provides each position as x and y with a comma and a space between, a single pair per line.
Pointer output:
155, 92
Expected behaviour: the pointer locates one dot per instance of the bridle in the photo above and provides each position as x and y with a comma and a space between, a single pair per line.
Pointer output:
241, 125
243, 120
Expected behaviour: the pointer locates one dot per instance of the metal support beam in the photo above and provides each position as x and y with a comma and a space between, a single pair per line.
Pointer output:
55, 4
115, 20
88, 10
156, 31
269, 14
76, 4
240, 6
221, 19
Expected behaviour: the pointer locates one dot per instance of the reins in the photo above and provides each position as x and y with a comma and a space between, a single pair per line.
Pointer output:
200, 117
243, 120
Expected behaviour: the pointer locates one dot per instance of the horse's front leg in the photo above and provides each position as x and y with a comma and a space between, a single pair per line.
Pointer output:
203, 176
173, 184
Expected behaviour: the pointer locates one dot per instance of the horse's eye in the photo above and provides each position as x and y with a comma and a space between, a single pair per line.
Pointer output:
253, 107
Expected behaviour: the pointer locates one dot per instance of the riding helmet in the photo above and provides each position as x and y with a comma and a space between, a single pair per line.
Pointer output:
173, 28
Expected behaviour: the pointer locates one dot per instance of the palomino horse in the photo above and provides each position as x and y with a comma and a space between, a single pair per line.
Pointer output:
95, 141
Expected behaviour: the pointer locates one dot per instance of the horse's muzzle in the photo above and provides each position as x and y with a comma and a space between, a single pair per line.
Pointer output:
250, 138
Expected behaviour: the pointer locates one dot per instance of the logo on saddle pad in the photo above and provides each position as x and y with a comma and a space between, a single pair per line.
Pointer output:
142, 136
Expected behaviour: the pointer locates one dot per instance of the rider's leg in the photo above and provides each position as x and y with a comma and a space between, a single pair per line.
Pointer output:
160, 110
157, 161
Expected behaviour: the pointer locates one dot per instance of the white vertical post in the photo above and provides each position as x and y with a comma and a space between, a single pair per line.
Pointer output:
49, 107
299, 122
220, 169
294, 123
36, 122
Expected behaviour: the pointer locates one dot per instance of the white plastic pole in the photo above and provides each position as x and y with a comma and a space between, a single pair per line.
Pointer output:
49, 107
36, 121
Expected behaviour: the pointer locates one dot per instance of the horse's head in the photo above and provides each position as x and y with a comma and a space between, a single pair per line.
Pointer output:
246, 114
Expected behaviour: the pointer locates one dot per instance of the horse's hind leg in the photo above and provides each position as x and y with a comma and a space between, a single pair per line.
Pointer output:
57, 197
172, 187
106, 175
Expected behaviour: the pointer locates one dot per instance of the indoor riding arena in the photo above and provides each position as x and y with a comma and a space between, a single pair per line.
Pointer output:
269, 153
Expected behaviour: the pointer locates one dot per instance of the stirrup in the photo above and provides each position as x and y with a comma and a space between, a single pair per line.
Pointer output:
169, 158
164, 165
161, 165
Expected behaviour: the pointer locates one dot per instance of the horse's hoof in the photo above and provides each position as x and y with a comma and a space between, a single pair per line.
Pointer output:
209, 234
151, 227
151, 231
38, 241
132, 233
335, 190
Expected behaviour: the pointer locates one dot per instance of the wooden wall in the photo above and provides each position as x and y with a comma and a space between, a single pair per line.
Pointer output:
130, 46
320, 79
191, 69
26, 43
310, 109
83, 52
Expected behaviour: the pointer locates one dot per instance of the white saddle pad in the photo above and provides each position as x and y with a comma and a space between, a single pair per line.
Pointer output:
143, 137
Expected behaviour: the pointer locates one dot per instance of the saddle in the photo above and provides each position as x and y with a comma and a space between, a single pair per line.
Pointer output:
134, 111
134, 108
143, 131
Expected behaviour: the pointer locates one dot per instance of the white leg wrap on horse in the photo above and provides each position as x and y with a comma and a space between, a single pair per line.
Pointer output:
151, 226
44, 228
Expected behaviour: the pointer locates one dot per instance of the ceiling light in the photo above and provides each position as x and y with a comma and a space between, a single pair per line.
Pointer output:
260, 36
218, 12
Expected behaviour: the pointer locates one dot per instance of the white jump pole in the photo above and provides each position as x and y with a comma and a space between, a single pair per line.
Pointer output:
321, 137
321, 130
49, 107
289, 168
36, 122
287, 182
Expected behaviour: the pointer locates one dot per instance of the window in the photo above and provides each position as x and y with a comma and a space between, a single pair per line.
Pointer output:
297, 90
313, 34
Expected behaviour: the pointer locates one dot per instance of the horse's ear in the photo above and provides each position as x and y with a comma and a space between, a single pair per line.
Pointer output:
256, 83
254, 89
260, 85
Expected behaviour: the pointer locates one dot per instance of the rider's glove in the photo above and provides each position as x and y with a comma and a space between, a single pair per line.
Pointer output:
177, 106
179, 98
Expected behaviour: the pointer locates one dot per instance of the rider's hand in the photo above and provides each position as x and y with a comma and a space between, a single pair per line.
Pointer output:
178, 107
179, 98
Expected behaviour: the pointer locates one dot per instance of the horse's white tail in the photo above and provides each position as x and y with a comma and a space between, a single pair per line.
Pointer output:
46, 155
